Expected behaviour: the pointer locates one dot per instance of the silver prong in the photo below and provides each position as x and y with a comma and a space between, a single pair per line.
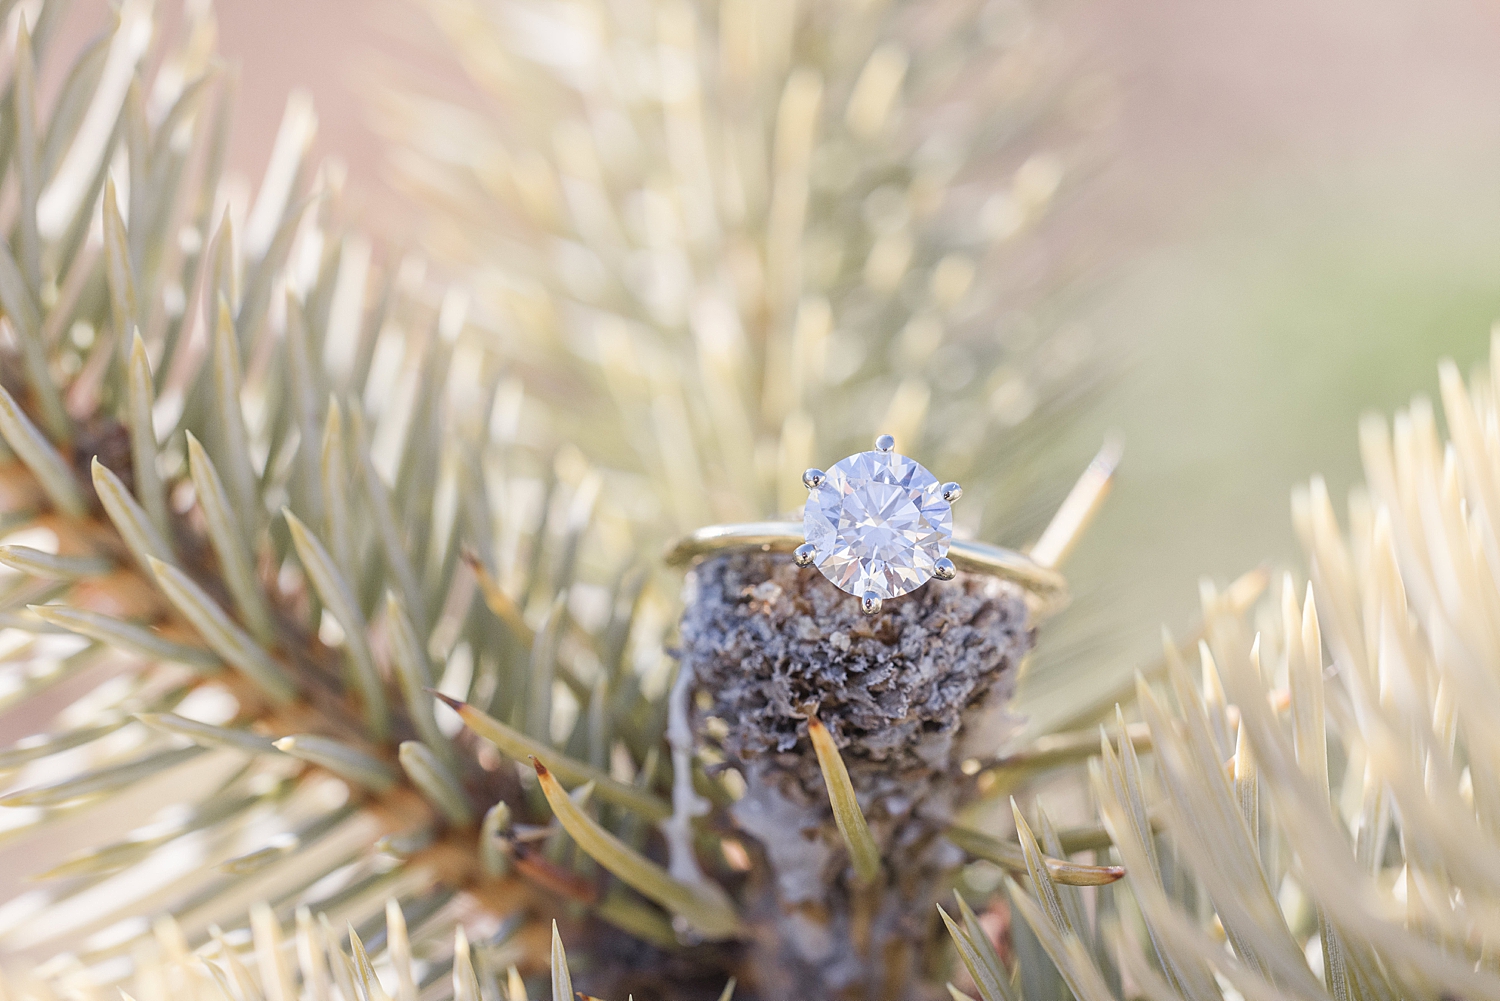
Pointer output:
885, 443
812, 479
870, 603
944, 569
803, 554
952, 492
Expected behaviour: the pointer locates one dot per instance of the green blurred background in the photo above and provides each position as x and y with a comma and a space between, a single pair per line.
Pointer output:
1298, 304
1299, 218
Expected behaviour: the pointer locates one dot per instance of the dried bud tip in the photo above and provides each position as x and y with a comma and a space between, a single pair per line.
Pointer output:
541, 769
455, 704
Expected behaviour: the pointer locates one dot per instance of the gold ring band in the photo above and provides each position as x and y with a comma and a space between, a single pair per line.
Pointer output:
785, 536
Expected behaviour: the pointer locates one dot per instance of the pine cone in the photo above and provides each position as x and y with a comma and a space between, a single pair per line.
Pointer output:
903, 693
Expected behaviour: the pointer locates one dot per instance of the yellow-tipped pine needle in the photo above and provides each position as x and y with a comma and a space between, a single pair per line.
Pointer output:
519, 747
705, 906
864, 855
497, 600
1305, 681
638, 917
1009, 855
1078, 508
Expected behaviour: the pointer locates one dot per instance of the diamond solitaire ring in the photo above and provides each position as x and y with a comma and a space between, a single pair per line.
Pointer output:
878, 525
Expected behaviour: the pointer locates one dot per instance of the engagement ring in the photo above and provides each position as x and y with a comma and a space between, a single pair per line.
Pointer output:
878, 525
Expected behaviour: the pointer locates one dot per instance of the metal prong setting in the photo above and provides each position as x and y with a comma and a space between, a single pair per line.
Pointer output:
870, 603
944, 569
885, 443
952, 492
812, 479
803, 554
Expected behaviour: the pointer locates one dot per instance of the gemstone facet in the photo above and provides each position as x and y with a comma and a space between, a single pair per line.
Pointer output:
878, 523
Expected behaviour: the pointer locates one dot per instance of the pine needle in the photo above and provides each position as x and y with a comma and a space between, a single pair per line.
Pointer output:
35, 450
341, 759
126, 636
436, 781
704, 907
226, 638
863, 852
53, 566
337, 595
228, 538
980, 959
145, 542
562, 980
1011, 857
519, 747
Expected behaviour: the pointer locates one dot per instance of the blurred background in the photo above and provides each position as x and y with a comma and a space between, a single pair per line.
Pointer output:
1293, 216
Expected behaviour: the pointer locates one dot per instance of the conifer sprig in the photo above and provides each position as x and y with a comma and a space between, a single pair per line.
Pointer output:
263, 488
1316, 787
231, 511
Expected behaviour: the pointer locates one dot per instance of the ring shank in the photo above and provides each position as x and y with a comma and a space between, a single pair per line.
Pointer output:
785, 536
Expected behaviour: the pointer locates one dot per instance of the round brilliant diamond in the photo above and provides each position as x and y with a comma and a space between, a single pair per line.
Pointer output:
879, 523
